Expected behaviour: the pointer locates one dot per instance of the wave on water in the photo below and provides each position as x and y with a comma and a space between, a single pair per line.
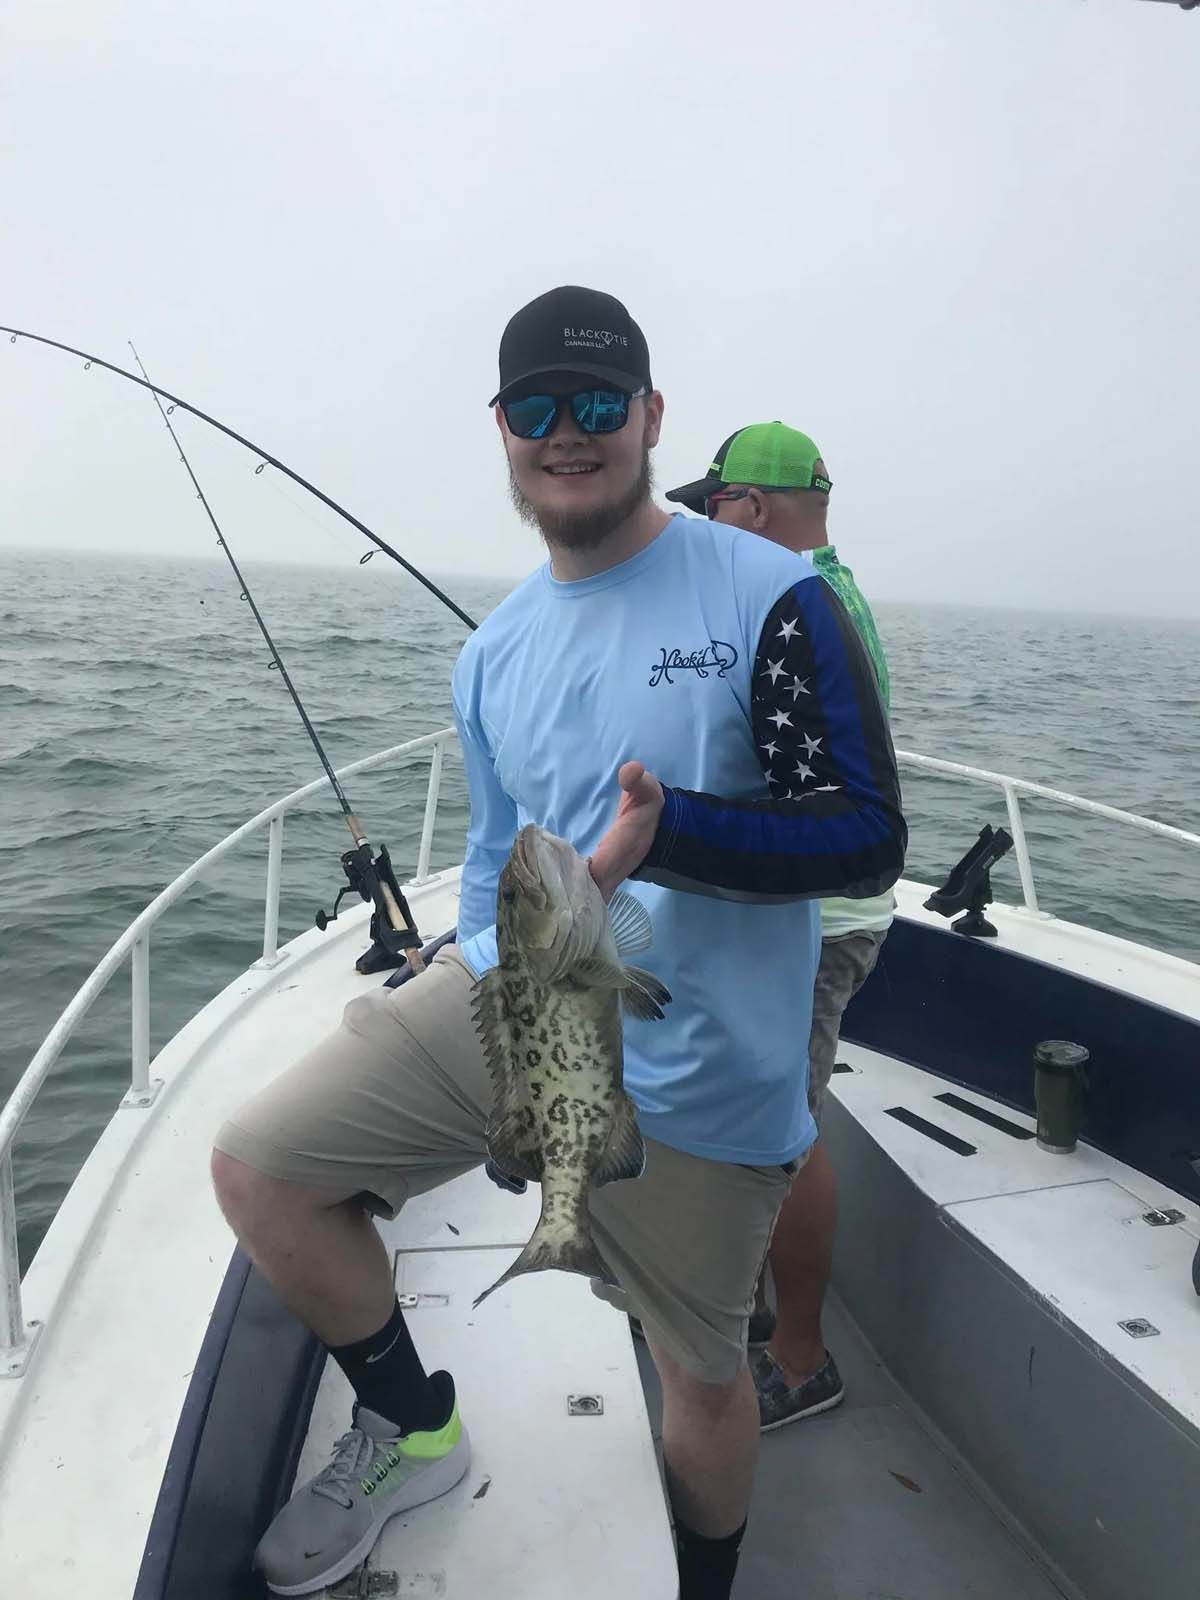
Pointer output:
13, 695
81, 768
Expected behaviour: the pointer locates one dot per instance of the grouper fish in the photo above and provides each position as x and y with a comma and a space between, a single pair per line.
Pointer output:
549, 1016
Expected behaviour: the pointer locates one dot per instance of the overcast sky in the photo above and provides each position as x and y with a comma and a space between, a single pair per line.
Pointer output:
957, 241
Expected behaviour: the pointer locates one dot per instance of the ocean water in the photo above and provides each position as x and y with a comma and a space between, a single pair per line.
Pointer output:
139, 724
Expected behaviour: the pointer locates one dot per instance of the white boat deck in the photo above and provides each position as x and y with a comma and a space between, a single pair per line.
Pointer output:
867, 1503
127, 1275
551, 1491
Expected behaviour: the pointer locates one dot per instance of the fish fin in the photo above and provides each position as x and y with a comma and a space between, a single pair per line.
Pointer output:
644, 995
624, 1154
630, 924
513, 1144
596, 973
490, 1015
576, 1253
512, 1139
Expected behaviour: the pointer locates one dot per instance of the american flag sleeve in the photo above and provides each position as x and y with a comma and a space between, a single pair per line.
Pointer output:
829, 821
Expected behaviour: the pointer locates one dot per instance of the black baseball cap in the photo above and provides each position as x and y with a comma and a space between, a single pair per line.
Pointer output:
577, 333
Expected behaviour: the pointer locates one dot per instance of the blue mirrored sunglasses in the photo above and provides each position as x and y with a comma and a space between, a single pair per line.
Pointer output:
594, 410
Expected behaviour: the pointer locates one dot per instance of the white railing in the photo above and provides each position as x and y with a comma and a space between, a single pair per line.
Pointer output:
15, 1339
1012, 788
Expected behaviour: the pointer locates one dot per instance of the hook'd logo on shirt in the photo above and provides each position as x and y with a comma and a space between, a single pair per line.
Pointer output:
716, 656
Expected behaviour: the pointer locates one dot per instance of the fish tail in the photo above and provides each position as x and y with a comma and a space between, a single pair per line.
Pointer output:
552, 1246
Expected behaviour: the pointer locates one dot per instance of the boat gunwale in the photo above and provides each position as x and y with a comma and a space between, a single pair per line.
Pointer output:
16, 1338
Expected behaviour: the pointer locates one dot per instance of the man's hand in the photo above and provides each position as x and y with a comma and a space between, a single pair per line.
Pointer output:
627, 843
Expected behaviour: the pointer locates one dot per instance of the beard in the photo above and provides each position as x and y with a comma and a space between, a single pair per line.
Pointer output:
583, 530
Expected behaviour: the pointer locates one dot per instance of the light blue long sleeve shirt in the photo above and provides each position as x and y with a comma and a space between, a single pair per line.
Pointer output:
723, 662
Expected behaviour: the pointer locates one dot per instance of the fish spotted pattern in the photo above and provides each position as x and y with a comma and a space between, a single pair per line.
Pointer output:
549, 1016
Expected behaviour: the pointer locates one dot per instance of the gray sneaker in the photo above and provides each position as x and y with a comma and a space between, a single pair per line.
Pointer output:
778, 1403
332, 1523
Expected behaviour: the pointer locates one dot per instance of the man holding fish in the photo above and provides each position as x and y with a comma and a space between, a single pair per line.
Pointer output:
721, 697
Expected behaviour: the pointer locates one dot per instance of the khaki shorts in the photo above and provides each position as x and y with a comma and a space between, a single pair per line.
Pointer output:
846, 964
395, 1102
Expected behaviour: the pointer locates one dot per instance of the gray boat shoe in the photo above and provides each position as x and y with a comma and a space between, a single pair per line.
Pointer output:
779, 1404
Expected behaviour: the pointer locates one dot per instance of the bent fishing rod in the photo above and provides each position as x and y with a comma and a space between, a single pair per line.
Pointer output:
394, 935
266, 458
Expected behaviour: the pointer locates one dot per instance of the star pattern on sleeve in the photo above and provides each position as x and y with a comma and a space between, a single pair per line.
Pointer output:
793, 743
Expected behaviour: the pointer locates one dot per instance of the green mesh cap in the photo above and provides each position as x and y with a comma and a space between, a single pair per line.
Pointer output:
768, 454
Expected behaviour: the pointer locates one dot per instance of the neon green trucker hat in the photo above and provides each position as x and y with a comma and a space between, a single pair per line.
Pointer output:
768, 454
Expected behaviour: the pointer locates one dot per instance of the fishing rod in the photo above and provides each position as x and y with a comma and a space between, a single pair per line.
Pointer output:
266, 458
394, 936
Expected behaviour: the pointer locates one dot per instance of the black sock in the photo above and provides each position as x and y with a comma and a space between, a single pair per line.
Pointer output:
706, 1566
386, 1374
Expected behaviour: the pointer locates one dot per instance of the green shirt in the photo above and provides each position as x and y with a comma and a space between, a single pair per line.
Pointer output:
841, 579
840, 916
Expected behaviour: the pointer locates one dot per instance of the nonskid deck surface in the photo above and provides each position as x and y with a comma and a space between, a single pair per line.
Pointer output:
864, 1502
563, 1494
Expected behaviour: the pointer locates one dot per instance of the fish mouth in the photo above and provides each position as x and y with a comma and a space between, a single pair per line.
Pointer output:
524, 865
